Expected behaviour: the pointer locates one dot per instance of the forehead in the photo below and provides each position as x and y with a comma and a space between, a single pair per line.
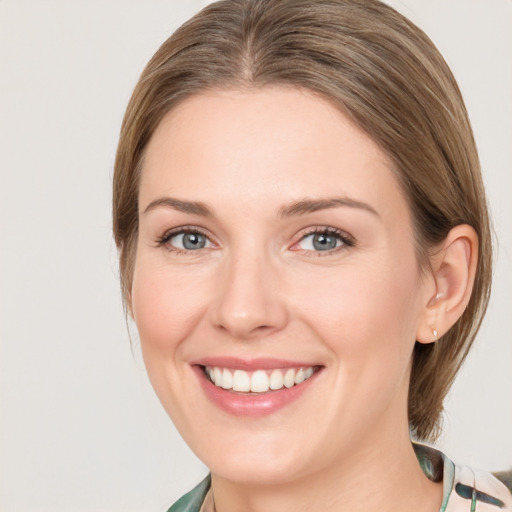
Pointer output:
271, 145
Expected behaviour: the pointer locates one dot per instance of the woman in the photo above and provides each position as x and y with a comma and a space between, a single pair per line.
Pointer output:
305, 249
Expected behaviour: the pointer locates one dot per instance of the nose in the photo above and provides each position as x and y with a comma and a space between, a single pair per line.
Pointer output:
249, 300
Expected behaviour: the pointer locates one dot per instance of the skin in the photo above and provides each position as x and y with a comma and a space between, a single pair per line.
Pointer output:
260, 289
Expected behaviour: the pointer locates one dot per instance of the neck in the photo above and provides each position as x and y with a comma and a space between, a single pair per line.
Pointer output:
381, 477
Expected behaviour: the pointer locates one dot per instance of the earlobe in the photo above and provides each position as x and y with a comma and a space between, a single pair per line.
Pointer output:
453, 271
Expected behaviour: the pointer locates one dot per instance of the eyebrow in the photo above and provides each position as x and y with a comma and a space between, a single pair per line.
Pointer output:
192, 207
293, 209
312, 205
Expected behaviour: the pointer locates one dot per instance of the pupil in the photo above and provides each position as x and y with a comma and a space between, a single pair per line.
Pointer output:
194, 241
323, 242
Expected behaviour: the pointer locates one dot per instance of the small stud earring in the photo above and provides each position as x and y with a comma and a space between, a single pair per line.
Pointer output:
434, 332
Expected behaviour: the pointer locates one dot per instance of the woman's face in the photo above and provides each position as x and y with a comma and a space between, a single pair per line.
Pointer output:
275, 245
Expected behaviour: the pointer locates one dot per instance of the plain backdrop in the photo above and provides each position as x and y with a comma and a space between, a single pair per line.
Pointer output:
81, 429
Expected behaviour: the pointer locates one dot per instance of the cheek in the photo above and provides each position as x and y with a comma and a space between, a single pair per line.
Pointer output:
165, 307
365, 309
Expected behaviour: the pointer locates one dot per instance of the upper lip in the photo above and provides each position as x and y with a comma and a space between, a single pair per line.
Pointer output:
260, 363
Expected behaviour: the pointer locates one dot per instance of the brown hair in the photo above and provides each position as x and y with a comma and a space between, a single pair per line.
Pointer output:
383, 72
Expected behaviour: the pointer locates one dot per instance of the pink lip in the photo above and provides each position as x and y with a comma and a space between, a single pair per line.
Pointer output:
251, 404
262, 363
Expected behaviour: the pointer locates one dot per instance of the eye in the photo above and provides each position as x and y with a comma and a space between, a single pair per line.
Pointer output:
185, 240
189, 241
324, 241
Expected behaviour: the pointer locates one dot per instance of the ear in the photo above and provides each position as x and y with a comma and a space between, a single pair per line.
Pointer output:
448, 290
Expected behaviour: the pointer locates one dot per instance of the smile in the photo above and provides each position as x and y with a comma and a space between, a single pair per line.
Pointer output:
255, 387
258, 381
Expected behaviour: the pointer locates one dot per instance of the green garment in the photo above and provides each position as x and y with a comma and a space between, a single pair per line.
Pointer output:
464, 489
192, 501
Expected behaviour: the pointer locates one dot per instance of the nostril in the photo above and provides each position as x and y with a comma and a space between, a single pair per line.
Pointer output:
244, 330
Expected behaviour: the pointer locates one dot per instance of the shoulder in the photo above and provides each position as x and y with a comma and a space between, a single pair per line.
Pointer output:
192, 501
465, 488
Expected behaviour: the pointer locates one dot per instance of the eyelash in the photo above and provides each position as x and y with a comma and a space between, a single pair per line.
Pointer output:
164, 240
346, 240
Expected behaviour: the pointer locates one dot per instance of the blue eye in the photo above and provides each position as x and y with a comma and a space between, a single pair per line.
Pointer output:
323, 241
187, 241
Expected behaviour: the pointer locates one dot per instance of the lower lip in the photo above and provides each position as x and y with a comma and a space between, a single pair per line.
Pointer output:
252, 404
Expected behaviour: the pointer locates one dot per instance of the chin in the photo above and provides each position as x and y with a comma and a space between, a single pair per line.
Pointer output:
260, 462
269, 471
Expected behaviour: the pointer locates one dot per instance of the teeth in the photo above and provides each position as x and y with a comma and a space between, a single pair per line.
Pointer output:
217, 376
276, 379
289, 378
227, 379
241, 381
259, 381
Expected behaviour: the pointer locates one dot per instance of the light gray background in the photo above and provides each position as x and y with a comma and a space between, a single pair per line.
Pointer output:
81, 430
